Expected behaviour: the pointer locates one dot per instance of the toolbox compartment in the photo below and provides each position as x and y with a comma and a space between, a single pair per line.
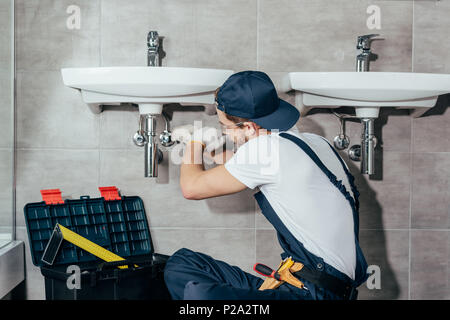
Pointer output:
107, 282
118, 224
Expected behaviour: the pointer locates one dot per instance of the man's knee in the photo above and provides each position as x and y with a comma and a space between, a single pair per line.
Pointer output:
179, 257
177, 270
174, 262
187, 258
183, 252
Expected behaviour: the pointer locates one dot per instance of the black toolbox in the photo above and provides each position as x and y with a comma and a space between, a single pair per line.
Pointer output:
118, 224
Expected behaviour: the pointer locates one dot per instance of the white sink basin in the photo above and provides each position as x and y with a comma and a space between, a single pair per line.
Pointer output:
149, 87
366, 91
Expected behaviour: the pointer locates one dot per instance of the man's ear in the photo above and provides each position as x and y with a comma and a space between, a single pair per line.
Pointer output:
251, 127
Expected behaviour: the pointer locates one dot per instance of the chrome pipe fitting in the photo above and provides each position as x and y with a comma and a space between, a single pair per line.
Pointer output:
166, 136
152, 154
368, 143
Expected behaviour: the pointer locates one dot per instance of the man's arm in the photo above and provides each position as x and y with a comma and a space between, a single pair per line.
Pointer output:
197, 184
219, 157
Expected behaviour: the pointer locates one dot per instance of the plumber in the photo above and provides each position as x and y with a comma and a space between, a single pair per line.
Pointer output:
305, 191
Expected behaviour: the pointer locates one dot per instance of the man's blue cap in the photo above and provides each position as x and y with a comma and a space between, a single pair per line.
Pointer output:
252, 95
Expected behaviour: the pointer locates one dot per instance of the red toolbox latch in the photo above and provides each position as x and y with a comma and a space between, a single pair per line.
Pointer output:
109, 193
52, 196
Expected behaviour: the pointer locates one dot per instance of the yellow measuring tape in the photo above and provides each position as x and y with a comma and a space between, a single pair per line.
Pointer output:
81, 242
89, 246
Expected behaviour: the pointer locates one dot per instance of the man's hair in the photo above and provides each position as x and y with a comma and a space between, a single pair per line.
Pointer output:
228, 116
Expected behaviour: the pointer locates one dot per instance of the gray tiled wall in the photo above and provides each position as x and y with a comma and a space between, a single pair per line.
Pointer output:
61, 144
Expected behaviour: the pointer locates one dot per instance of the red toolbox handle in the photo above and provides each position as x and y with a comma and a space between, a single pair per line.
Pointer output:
52, 196
109, 193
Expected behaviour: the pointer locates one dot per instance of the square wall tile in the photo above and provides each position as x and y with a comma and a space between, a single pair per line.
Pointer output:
125, 28
385, 202
431, 34
74, 172
430, 265
384, 206
388, 251
219, 34
305, 35
431, 190
118, 126
44, 40
324, 124
235, 247
50, 115
225, 34
430, 133
396, 132
393, 167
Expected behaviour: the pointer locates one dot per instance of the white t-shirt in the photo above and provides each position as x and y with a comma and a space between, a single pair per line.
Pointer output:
309, 205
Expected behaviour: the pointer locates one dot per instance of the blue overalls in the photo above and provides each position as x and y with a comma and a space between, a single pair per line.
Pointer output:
193, 275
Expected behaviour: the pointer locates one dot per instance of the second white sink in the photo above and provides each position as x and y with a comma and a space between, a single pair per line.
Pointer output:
367, 91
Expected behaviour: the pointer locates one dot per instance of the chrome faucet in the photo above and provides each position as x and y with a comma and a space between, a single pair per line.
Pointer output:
153, 49
368, 140
365, 56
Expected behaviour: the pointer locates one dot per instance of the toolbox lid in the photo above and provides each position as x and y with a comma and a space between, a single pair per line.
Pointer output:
119, 225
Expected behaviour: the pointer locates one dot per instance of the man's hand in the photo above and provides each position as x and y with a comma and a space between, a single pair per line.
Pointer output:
183, 134
210, 137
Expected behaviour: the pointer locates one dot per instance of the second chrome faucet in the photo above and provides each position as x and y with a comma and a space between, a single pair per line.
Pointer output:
153, 49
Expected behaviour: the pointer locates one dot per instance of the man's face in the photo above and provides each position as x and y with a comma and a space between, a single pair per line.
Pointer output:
237, 134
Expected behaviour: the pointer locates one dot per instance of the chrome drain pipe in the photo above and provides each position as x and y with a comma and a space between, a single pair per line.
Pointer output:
368, 143
151, 147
